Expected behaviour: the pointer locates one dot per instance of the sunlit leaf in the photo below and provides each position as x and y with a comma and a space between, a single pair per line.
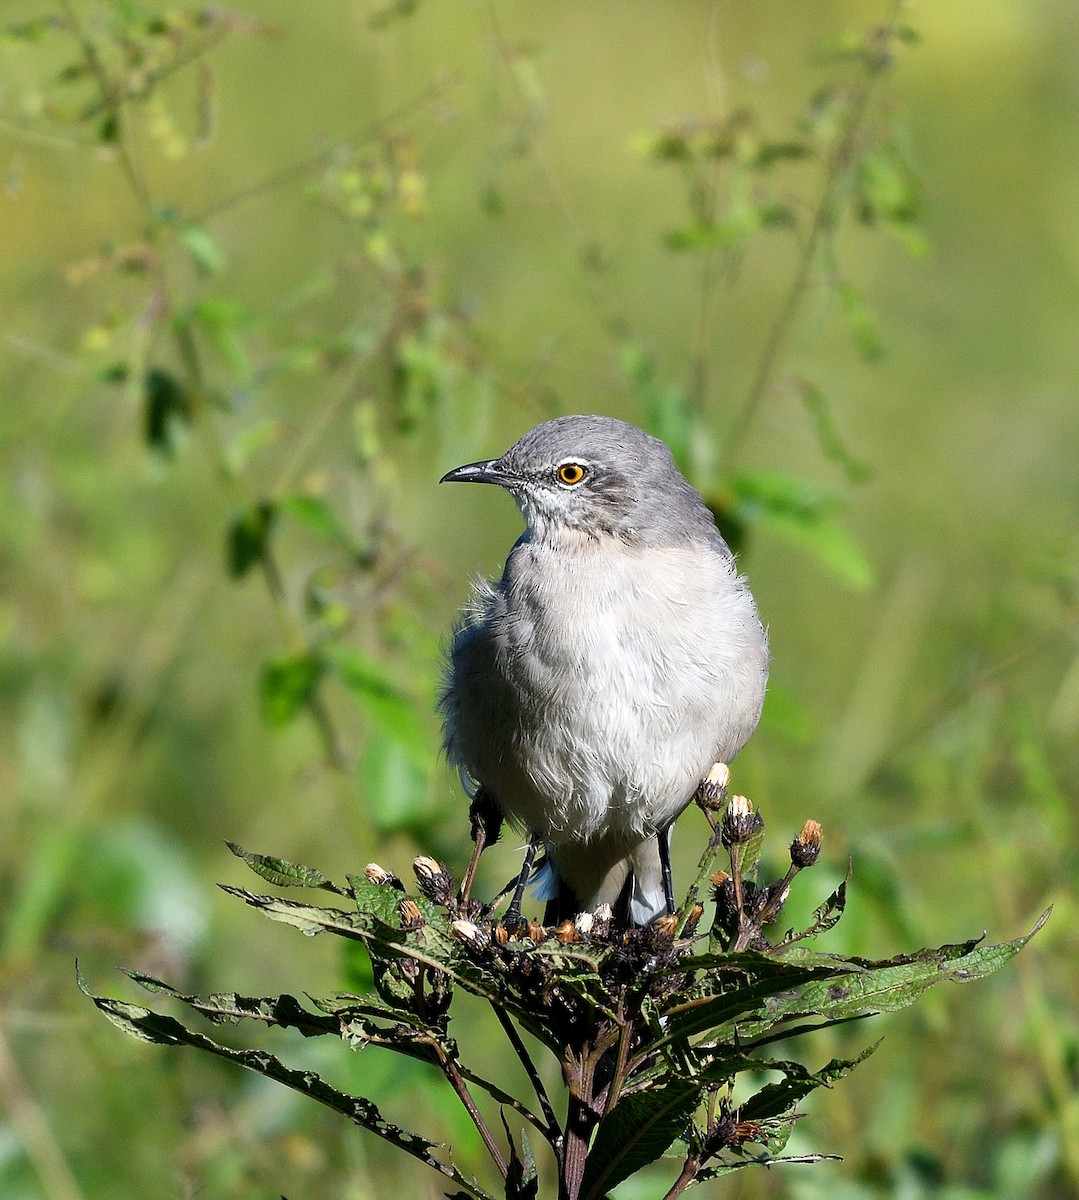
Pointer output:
280, 871
804, 515
203, 248
287, 684
316, 514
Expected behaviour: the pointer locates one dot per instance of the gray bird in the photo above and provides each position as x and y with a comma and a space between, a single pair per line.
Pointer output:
620, 655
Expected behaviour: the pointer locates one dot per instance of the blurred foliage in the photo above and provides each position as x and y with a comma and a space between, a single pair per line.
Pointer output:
266, 278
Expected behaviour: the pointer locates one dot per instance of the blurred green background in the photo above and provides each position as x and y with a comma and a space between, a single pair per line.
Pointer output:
265, 278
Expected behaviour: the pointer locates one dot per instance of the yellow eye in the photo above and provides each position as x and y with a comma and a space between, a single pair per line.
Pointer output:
570, 473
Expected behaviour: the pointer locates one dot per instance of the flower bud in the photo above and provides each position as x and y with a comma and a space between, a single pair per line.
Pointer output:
435, 882
740, 822
471, 934
805, 848
666, 925
382, 877
693, 920
712, 789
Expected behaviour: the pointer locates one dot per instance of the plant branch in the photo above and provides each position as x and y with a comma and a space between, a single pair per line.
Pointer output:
449, 1069
822, 223
552, 1130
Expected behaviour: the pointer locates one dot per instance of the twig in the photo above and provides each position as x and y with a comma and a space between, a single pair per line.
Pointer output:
553, 1131
457, 1081
822, 222
32, 1129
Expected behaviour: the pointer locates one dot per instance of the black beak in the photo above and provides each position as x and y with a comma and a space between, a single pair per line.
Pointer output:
478, 472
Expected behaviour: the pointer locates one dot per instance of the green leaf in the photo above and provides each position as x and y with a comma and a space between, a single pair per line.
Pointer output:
248, 537
204, 250
317, 515
223, 321
829, 439
229, 1008
250, 441
287, 684
667, 411
381, 700
802, 513
639, 1130
522, 1182
167, 411
160, 1030
281, 872
861, 321
395, 786
778, 1099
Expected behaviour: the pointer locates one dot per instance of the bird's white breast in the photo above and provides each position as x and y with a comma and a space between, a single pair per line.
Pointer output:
598, 681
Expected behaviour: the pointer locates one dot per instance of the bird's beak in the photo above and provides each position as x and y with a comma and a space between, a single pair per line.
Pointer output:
478, 472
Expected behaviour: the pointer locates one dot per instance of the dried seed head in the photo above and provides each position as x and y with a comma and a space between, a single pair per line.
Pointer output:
712, 789
693, 920
584, 923
379, 875
740, 822
501, 934
471, 934
536, 932
805, 849
604, 913
719, 878
411, 917
436, 883
566, 932
666, 925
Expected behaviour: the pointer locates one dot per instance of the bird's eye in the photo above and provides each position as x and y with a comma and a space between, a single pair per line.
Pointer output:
570, 473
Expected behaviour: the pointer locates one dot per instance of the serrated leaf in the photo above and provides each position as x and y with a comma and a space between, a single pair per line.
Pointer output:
522, 1180
287, 685
639, 1130
779, 1099
248, 537
281, 872
160, 1030
230, 1008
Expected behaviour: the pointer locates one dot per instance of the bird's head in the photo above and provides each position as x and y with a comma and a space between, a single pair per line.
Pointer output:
596, 476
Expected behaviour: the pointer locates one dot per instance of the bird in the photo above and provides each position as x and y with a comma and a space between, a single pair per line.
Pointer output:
591, 687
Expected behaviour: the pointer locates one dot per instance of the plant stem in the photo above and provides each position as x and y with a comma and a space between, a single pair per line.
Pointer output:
449, 1068
553, 1130
579, 1074
689, 1172
823, 221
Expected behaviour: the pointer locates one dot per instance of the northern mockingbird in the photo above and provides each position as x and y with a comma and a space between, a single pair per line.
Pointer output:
620, 655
